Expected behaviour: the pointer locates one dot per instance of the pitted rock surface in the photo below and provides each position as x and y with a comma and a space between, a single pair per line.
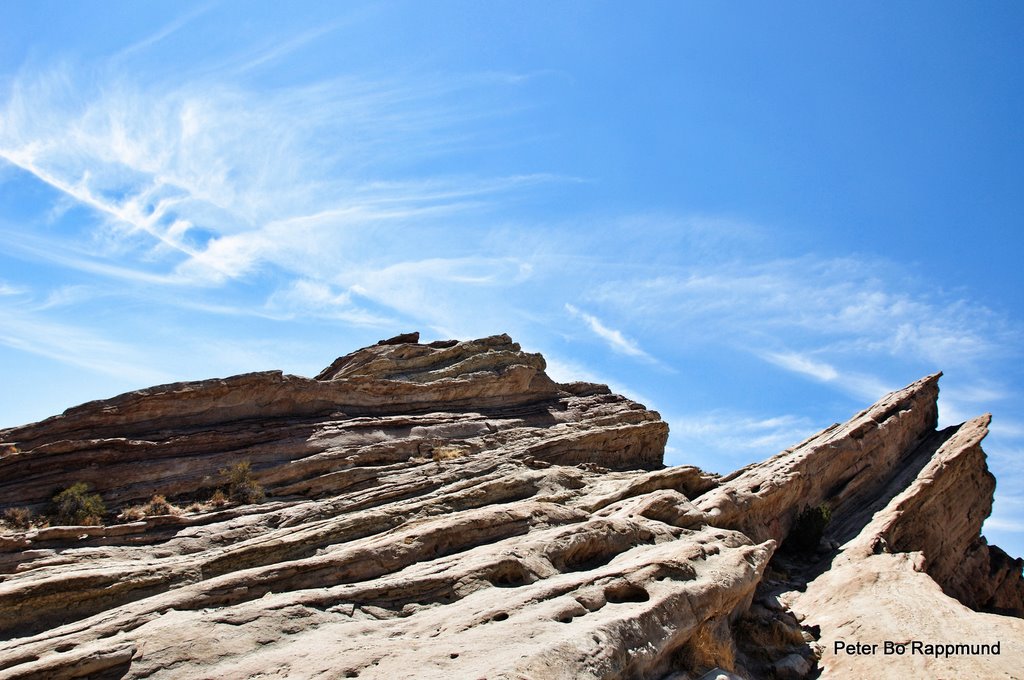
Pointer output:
446, 510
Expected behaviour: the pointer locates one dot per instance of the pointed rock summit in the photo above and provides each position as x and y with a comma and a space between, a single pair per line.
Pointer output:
446, 510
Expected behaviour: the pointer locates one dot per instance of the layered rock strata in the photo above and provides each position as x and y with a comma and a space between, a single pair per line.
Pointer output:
920, 573
446, 510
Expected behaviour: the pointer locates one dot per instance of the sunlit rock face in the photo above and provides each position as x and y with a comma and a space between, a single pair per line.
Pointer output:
447, 510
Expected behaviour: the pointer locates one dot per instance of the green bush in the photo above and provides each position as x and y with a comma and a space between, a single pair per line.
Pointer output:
242, 487
809, 527
76, 506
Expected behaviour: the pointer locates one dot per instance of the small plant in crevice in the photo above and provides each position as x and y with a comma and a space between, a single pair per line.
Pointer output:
441, 453
242, 486
218, 499
76, 506
806, 532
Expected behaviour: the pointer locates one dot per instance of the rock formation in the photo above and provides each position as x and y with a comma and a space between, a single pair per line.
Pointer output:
446, 510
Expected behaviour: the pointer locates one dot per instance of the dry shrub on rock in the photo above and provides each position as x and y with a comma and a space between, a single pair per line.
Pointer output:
158, 505
242, 486
18, 518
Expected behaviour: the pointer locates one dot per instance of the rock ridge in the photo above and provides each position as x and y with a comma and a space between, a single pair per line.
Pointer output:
447, 507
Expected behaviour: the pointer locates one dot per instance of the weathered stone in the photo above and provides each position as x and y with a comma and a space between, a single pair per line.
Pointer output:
446, 510
841, 465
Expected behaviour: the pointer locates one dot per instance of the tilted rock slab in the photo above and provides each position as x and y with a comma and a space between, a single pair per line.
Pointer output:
917, 575
446, 510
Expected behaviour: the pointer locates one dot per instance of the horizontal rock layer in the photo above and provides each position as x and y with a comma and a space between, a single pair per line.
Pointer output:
446, 507
396, 403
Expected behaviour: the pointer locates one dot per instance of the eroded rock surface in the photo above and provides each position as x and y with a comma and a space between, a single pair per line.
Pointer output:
446, 510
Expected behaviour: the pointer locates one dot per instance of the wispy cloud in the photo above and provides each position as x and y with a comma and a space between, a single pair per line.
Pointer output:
1008, 512
565, 370
163, 32
201, 186
798, 363
8, 289
284, 48
1008, 524
317, 299
857, 383
1008, 428
75, 346
848, 306
721, 440
823, 319
612, 337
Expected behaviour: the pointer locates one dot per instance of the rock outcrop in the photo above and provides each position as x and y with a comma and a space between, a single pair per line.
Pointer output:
885, 583
447, 510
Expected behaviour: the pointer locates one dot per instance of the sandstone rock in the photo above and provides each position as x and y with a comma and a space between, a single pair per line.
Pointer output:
841, 464
402, 338
446, 510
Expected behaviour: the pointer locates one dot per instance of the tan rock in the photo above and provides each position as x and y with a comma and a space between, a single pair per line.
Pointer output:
445, 510
841, 465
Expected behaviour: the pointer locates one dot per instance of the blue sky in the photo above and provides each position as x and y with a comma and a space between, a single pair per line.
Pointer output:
755, 219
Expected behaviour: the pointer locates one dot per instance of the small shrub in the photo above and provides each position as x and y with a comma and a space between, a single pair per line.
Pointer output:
809, 527
218, 499
18, 518
76, 506
242, 487
158, 505
440, 453
132, 514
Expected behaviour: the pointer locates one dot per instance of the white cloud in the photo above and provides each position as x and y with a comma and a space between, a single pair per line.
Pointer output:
222, 179
1010, 429
614, 338
8, 289
64, 296
856, 383
722, 440
850, 323
169, 29
964, 397
866, 387
798, 363
76, 346
843, 307
314, 298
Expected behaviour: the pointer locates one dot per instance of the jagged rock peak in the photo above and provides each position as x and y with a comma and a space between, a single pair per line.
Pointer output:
402, 358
